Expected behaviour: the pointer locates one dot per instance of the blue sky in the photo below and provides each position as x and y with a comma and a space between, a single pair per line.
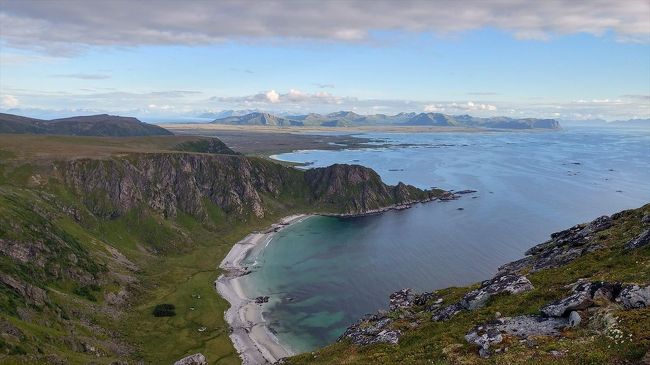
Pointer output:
552, 70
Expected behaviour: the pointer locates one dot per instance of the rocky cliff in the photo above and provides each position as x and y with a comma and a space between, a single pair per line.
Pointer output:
168, 183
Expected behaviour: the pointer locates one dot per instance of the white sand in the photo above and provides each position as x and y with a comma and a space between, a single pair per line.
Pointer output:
250, 335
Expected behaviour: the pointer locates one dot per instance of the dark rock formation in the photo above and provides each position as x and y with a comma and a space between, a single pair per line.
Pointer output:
634, 296
447, 312
509, 283
639, 241
562, 248
372, 329
262, 299
401, 299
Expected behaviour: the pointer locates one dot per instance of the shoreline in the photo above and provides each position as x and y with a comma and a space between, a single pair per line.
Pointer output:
252, 338
249, 334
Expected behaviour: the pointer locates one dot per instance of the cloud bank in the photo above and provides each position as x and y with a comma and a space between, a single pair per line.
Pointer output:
65, 26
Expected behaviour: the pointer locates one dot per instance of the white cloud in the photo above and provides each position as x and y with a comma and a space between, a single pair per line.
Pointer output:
456, 107
83, 76
65, 26
9, 101
272, 96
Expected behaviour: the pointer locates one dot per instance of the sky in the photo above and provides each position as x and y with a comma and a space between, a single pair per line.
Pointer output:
570, 60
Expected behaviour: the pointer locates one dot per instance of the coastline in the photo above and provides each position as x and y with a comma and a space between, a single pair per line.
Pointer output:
249, 334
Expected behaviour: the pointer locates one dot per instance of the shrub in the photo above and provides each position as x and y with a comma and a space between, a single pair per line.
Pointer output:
164, 310
85, 292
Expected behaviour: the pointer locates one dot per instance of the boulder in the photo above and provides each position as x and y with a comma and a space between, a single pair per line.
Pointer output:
401, 299
422, 299
262, 299
580, 299
639, 241
634, 296
509, 283
574, 319
196, 359
447, 312
483, 338
492, 332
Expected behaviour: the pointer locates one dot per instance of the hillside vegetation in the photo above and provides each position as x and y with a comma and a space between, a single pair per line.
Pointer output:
97, 234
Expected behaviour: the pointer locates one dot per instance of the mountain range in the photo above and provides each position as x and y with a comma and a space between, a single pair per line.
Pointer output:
352, 119
92, 125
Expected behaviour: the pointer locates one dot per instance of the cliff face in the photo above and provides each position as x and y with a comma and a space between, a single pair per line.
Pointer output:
353, 189
169, 183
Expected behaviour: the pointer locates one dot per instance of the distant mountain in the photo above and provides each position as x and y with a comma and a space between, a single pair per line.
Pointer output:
444, 120
352, 119
632, 123
226, 113
91, 125
258, 119
433, 119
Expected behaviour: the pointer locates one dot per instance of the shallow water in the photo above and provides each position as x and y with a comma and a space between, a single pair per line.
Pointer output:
325, 272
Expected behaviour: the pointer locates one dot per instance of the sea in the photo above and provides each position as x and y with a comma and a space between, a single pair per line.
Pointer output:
322, 274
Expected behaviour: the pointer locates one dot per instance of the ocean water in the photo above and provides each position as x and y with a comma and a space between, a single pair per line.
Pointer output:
324, 273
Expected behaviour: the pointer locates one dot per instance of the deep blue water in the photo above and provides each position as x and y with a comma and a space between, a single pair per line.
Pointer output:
326, 272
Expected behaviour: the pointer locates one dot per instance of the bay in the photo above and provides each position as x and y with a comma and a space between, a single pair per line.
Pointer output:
324, 273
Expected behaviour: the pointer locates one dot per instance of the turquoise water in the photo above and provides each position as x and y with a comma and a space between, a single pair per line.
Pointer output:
325, 272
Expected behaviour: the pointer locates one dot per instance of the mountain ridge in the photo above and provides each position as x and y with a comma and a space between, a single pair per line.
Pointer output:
103, 125
350, 119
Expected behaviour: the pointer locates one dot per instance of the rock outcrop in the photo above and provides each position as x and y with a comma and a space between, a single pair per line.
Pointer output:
508, 283
634, 296
562, 248
639, 241
196, 359
372, 329
493, 332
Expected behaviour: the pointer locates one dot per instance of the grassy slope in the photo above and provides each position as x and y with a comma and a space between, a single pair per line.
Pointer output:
192, 249
184, 268
443, 342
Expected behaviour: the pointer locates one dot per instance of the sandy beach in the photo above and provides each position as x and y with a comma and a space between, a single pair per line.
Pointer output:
250, 335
